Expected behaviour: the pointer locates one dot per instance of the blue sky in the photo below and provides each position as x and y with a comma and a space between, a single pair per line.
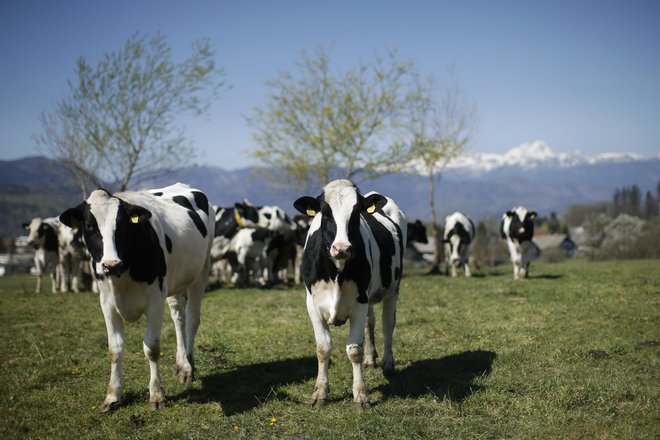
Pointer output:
580, 75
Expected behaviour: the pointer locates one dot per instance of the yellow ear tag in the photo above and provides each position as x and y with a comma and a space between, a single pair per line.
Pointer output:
371, 209
311, 212
237, 216
135, 219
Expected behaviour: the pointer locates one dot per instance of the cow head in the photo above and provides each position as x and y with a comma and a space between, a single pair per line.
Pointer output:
41, 231
339, 207
417, 232
275, 219
107, 223
521, 223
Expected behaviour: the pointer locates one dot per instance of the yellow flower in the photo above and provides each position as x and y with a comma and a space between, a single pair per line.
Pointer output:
235, 427
273, 421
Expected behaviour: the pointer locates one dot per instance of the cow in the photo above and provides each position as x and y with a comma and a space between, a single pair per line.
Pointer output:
417, 232
58, 249
458, 237
353, 258
42, 236
517, 228
148, 248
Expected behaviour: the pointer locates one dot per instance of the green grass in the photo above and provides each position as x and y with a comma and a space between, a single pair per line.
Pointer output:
570, 353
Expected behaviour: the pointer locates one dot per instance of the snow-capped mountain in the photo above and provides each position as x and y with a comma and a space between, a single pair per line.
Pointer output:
530, 156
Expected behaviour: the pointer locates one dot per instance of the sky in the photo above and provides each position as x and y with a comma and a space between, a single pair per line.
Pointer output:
579, 75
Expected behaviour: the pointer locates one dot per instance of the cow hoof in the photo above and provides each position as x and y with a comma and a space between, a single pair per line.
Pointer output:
318, 403
361, 406
186, 375
155, 406
110, 406
186, 378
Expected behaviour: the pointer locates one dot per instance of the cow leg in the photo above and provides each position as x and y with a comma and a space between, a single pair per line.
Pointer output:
193, 313
55, 277
177, 305
370, 354
151, 346
355, 352
453, 271
323, 352
64, 268
115, 327
468, 274
389, 321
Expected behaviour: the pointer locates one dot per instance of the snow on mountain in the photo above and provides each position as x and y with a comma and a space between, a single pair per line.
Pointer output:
532, 155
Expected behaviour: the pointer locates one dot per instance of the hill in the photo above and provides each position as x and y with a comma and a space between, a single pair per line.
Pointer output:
39, 186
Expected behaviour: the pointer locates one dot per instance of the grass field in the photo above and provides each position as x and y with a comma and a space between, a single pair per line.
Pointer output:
572, 352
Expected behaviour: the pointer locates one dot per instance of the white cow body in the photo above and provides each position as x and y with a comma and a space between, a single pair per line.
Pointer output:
352, 260
517, 228
458, 235
147, 248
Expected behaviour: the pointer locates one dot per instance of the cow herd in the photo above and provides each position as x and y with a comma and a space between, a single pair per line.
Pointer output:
152, 247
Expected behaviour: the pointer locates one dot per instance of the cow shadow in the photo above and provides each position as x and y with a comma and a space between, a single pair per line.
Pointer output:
248, 386
546, 277
451, 377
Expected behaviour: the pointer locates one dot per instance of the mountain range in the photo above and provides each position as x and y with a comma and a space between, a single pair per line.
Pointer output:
478, 184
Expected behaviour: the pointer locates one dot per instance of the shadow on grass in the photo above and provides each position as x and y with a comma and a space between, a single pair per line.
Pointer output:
546, 277
248, 386
450, 377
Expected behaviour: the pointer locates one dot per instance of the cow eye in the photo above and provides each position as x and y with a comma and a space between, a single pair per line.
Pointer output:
268, 216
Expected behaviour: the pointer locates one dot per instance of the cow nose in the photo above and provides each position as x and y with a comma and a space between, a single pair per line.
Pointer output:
521, 230
111, 267
341, 251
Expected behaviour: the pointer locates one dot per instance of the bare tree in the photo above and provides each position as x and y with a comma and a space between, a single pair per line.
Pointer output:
441, 125
322, 124
118, 127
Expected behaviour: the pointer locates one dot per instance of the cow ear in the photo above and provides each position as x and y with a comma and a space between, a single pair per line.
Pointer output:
307, 205
72, 217
137, 214
374, 202
509, 213
26, 226
533, 215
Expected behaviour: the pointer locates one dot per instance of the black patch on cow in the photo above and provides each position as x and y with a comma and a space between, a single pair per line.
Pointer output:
417, 232
201, 201
516, 223
463, 234
183, 201
385, 243
50, 237
226, 225
157, 193
168, 244
139, 248
261, 234
247, 212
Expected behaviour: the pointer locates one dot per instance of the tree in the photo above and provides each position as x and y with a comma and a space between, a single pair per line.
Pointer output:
440, 128
322, 124
118, 126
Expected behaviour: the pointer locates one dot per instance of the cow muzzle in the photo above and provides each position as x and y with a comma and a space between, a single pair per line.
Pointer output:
111, 267
340, 251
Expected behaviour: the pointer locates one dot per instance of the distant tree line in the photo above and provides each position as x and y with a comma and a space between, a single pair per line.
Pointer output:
626, 200
628, 226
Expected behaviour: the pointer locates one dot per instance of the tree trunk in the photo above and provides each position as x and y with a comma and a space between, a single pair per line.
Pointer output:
435, 228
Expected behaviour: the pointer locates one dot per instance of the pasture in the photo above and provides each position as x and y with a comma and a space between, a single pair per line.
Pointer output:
572, 352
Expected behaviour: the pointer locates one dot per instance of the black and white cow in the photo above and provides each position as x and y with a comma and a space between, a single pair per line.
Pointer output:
148, 247
353, 258
458, 237
517, 228
417, 232
42, 236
